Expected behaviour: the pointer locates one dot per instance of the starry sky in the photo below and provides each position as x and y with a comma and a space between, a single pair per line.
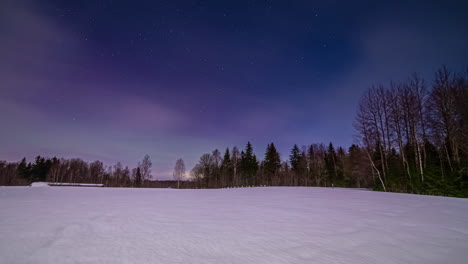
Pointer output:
115, 80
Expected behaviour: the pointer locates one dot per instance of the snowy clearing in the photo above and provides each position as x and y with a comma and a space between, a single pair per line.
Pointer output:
251, 225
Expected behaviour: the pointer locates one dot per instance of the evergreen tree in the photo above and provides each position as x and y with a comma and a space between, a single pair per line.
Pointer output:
272, 162
298, 161
226, 169
249, 165
330, 161
356, 167
226, 159
40, 168
294, 158
23, 170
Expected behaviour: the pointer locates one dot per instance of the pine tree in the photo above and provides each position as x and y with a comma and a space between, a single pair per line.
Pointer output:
330, 160
355, 167
298, 162
23, 170
272, 162
226, 169
40, 169
294, 158
249, 165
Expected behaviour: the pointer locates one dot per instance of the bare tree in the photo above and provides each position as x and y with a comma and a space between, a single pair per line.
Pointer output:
442, 105
8, 173
117, 174
369, 124
216, 167
96, 170
235, 160
179, 171
145, 168
197, 174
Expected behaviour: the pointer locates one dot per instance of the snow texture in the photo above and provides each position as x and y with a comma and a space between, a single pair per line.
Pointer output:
250, 225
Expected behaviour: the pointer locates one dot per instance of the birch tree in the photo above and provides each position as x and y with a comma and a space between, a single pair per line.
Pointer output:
179, 171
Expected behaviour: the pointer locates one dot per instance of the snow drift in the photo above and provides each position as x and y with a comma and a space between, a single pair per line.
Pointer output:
251, 225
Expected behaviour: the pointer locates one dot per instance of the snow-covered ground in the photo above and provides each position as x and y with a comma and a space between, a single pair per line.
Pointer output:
251, 225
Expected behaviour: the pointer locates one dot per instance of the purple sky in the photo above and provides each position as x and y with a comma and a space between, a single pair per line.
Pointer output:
114, 80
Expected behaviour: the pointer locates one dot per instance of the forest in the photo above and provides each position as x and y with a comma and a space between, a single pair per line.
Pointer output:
411, 136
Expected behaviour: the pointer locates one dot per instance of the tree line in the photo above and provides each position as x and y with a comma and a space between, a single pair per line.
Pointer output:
75, 171
312, 165
411, 136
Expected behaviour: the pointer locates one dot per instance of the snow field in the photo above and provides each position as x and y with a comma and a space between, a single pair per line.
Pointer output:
244, 225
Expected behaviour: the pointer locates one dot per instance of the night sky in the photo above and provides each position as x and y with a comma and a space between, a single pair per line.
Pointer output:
114, 80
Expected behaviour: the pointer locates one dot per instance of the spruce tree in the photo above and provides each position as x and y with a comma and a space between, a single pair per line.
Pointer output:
23, 170
226, 169
272, 162
40, 169
294, 158
249, 165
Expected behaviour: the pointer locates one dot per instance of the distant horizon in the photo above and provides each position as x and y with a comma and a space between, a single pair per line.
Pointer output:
168, 174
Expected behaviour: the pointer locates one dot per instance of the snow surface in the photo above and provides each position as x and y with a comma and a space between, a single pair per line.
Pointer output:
250, 225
